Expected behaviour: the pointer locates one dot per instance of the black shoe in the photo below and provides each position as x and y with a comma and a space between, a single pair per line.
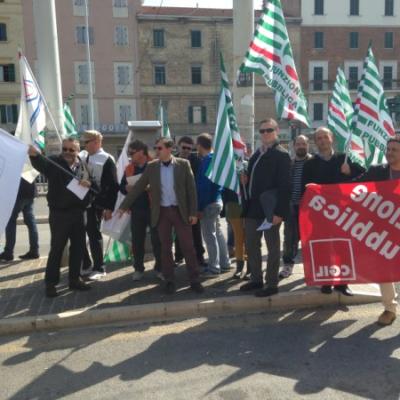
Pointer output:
197, 287
239, 269
326, 289
51, 291
247, 287
6, 257
79, 285
266, 292
178, 260
344, 289
169, 288
30, 255
202, 262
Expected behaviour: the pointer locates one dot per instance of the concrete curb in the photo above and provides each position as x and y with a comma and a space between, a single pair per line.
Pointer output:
181, 309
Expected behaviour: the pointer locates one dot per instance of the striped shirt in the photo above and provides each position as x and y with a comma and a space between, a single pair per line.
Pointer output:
297, 172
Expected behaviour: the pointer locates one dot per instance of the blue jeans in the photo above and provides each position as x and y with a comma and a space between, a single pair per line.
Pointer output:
26, 206
213, 237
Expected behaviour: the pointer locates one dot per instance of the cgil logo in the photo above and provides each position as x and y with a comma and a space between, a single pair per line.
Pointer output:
332, 260
334, 271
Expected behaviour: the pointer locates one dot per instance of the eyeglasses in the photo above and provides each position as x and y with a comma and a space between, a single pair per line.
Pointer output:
186, 148
68, 150
266, 130
159, 148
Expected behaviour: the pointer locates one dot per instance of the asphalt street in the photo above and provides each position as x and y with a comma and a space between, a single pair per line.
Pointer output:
318, 354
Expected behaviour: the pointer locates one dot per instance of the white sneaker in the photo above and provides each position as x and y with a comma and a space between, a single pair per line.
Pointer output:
86, 272
137, 276
287, 270
97, 275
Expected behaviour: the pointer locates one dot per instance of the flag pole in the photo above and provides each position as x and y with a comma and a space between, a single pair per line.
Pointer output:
41, 93
89, 66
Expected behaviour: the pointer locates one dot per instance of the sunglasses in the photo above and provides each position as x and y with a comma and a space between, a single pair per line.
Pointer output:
186, 148
159, 148
68, 150
267, 130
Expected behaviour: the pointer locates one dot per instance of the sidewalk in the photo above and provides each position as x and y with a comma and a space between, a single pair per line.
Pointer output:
22, 295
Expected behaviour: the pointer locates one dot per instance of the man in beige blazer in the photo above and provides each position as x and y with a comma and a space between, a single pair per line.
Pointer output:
172, 191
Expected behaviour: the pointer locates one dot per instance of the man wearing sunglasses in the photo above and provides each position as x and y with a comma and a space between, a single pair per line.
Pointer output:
103, 169
185, 146
66, 216
268, 172
173, 206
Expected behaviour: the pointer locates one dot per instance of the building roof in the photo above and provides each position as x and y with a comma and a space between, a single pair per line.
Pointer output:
190, 12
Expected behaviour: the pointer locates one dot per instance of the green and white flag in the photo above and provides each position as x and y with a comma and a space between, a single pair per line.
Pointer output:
340, 118
239, 147
372, 121
118, 252
270, 55
69, 122
222, 169
165, 132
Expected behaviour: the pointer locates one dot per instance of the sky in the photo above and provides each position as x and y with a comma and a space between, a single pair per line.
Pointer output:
193, 3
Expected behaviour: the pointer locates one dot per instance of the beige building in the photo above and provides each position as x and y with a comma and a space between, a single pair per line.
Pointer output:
179, 64
112, 37
11, 37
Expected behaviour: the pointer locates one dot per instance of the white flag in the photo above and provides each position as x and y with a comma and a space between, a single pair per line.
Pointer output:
32, 115
13, 154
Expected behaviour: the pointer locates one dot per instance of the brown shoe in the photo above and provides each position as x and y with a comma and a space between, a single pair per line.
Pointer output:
386, 318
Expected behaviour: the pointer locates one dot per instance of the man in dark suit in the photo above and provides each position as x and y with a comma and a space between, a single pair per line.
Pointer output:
269, 169
66, 213
172, 190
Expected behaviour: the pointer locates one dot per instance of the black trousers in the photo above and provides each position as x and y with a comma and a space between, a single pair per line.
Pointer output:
93, 223
64, 225
140, 221
291, 236
197, 241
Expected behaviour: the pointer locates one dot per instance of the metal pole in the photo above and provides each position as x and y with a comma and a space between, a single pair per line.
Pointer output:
243, 88
89, 67
48, 60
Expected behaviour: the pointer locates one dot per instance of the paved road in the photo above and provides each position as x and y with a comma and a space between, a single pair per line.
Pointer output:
318, 354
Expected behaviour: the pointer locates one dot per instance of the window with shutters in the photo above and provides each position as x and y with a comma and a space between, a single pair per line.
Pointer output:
3, 32
121, 35
196, 75
81, 35
195, 39
387, 77
125, 113
8, 113
7, 73
158, 38
318, 78
123, 78
197, 114
353, 78
123, 75
319, 7
82, 77
353, 39
120, 8
79, 7
389, 8
354, 7
388, 40
159, 74
85, 114
318, 109
319, 40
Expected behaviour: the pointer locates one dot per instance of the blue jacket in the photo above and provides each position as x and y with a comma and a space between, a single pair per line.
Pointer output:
207, 191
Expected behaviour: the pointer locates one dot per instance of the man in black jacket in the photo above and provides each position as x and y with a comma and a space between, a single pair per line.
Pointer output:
386, 172
269, 169
329, 167
24, 202
103, 170
66, 213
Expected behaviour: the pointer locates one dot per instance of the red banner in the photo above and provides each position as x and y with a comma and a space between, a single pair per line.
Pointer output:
350, 233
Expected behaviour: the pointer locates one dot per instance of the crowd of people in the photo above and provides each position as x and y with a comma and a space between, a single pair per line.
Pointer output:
171, 197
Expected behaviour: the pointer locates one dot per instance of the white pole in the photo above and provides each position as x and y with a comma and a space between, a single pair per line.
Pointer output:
243, 94
48, 59
89, 67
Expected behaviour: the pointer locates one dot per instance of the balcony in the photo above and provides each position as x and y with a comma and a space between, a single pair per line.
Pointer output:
325, 85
